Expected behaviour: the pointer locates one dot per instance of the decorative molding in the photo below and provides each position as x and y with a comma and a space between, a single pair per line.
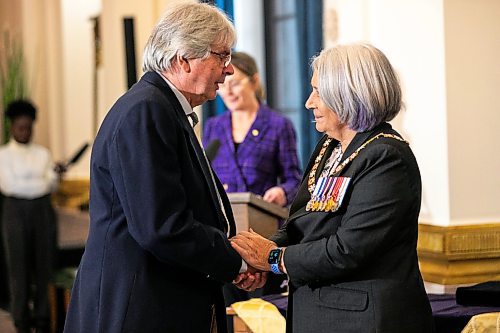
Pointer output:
459, 254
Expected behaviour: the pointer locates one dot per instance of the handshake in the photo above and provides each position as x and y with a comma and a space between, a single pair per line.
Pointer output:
255, 250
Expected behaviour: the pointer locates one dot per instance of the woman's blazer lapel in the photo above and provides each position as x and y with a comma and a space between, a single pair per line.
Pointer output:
303, 194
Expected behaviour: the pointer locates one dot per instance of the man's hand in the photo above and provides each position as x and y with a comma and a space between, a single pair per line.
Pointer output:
250, 280
253, 248
60, 168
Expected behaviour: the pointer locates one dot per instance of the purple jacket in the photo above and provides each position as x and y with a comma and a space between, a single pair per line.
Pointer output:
267, 156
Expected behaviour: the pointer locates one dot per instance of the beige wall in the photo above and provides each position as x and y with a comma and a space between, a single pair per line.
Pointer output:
416, 51
472, 30
82, 118
146, 14
58, 41
446, 53
30, 23
77, 70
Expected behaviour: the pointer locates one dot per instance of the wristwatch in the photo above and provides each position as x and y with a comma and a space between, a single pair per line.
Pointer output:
275, 259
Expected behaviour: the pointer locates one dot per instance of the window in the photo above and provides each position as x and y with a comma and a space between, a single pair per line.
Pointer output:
293, 30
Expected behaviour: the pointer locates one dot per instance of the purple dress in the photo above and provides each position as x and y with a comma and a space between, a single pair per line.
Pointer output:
267, 156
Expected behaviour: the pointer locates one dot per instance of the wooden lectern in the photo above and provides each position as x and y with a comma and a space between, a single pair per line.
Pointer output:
250, 211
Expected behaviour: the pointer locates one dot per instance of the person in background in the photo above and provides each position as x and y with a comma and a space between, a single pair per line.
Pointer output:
28, 176
258, 149
349, 246
158, 252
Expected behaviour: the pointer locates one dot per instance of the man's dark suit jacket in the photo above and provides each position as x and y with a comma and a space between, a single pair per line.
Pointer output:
157, 249
356, 270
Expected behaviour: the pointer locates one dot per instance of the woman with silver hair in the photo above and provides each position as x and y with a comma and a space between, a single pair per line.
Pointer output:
158, 252
349, 245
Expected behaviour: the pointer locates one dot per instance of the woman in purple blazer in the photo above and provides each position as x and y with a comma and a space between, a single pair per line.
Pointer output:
257, 153
258, 150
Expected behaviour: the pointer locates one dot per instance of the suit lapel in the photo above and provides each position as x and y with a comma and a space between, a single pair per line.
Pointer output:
157, 80
362, 137
297, 208
303, 194
202, 161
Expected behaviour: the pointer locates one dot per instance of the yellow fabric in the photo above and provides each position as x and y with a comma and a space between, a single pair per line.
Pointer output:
484, 323
260, 316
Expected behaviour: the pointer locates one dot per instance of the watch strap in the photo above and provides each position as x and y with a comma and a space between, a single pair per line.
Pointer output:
275, 263
275, 268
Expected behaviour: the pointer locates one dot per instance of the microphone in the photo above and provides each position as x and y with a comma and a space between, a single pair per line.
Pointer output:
212, 149
77, 155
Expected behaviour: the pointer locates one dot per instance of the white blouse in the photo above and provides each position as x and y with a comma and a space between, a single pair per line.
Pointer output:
26, 170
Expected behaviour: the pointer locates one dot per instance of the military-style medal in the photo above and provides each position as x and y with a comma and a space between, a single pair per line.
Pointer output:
328, 192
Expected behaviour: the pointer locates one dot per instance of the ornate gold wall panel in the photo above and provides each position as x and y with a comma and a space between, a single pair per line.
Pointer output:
459, 254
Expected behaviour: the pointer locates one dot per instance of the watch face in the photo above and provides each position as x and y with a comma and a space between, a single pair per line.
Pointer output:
274, 256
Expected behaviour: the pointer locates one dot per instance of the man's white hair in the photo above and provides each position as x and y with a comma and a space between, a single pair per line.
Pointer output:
189, 30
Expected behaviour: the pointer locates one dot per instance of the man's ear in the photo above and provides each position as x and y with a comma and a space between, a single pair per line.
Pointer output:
184, 64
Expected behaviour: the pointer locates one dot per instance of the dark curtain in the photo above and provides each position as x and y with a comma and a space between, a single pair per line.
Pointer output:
311, 43
215, 107
294, 34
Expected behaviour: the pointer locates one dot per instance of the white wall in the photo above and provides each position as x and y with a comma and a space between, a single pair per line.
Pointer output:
472, 30
145, 13
249, 24
78, 70
446, 53
416, 50
78, 120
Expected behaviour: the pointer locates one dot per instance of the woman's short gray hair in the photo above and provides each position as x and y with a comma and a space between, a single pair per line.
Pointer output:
190, 30
357, 82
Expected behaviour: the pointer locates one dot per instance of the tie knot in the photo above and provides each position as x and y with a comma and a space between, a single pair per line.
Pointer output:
194, 118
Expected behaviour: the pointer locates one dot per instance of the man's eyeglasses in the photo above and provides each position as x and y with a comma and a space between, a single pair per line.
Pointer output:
224, 57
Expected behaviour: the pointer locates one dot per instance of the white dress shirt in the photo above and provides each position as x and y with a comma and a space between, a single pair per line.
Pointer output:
182, 99
188, 110
26, 170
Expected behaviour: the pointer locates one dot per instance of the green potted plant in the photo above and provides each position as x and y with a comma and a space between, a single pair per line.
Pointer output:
13, 82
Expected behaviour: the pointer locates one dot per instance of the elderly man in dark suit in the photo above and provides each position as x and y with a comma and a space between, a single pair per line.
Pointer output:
158, 249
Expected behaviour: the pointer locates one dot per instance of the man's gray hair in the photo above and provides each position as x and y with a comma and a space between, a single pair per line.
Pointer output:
358, 83
190, 30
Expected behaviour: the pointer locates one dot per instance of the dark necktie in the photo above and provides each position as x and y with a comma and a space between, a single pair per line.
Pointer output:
194, 118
